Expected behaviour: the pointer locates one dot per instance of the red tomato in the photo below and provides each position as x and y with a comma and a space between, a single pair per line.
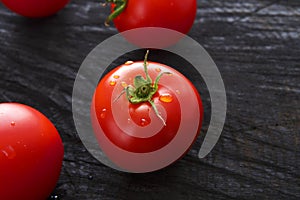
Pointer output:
177, 15
132, 134
154, 23
31, 153
35, 8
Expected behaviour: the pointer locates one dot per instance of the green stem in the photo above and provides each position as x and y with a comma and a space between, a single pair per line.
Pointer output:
145, 67
156, 112
143, 89
120, 6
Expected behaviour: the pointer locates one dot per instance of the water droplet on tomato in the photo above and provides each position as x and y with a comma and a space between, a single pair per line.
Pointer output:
144, 122
112, 83
103, 113
9, 152
12, 123
167, 98
116, 76
158, 69
178, 92
129, 62
124, 84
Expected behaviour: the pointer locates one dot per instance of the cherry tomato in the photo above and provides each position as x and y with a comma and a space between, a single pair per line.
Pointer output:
35, 8
153, 23
148, 134
31, 153
177, 15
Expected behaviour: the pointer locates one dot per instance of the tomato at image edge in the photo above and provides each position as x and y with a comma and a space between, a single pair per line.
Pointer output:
177, 15
31, 153
153, 23
35, 8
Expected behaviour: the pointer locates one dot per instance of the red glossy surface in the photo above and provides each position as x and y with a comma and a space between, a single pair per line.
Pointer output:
31, 153
177, 15
35, 8
132, 135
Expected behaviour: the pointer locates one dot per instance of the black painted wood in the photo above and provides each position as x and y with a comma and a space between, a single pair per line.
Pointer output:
255, 44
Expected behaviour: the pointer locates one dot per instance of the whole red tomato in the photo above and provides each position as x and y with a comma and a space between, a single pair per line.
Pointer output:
35, 8
177, 15
31, 153
146, 115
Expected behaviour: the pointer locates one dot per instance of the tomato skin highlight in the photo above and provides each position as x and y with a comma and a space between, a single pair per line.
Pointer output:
136, 147
177, 15
35, 8
31, 153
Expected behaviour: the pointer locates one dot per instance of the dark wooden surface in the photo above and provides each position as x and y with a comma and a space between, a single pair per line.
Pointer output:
255, 44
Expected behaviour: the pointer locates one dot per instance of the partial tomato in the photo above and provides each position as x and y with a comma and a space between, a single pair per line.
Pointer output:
31, 153
145, 115
35, 8
153, 23
177, 15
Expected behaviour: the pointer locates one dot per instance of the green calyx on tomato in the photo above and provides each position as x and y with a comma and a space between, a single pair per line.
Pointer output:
143, 89
120, 5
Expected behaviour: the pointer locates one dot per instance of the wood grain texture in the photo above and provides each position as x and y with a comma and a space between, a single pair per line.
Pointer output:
255, 44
